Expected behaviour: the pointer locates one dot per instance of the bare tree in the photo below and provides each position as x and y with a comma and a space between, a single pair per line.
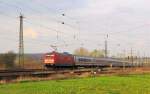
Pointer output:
82, 52
97, 53
8, 59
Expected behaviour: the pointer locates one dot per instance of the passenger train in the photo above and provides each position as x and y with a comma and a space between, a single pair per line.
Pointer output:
55, 59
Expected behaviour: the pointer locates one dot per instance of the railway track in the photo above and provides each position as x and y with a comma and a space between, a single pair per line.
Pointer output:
27, 72
4, 74
9, 75
18, 70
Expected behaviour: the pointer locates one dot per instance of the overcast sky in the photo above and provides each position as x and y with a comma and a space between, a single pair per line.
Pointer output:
86, 24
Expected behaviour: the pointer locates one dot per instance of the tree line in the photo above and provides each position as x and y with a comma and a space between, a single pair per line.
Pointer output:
94, 53
8, 59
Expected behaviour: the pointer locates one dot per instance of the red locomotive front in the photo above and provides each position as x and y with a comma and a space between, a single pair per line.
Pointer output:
56, 59
49, 59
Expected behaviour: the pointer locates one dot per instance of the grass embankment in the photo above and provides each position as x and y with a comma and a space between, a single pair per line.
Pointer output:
131, 84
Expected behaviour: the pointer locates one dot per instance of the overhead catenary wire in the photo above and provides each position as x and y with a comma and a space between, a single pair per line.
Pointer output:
61, 33
44, 26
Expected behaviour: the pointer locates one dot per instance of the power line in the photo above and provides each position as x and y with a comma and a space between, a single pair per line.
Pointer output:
39, 13
48, 28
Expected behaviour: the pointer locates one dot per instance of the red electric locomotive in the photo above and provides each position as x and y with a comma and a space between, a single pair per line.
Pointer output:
56, 59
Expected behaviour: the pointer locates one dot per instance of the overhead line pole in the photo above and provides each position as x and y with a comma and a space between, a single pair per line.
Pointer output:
106, 47
132, 56
21, 43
